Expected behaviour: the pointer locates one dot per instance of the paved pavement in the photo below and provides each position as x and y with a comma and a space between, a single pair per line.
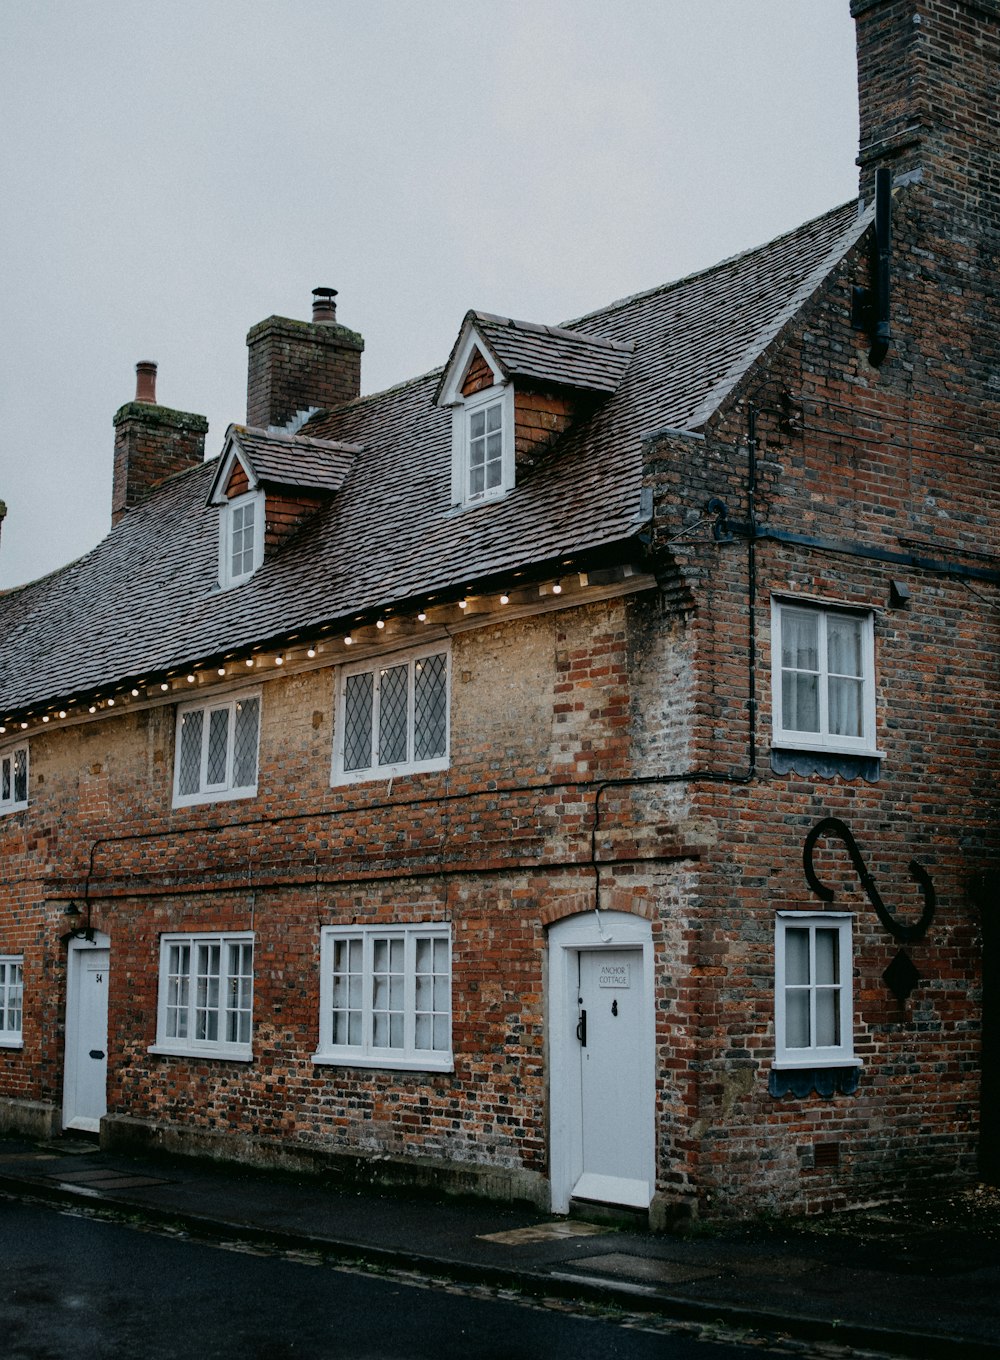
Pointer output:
918, 1281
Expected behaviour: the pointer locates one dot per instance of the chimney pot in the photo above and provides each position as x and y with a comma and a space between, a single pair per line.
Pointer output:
145, 381
324, 306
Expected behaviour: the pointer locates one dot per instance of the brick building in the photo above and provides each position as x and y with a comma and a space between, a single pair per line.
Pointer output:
571, 774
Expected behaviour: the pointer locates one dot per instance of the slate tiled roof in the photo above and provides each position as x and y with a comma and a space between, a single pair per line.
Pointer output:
294, 460
552, 354
146, 599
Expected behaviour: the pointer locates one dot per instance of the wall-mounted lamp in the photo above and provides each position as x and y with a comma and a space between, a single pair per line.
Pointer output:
80, 927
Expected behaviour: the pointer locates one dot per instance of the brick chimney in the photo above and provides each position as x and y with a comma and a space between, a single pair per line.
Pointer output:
927, 86
296, 365
151, 443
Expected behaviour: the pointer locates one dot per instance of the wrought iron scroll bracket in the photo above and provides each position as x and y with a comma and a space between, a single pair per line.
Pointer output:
907, 934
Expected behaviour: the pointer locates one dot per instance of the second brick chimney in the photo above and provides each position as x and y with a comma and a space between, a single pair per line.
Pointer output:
296, 366
151, 443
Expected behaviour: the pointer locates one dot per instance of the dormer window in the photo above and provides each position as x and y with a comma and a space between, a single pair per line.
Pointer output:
513, 389
241, 538
484, 439
298, 476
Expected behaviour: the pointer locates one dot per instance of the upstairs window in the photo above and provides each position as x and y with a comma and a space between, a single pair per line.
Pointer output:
392, 717
484, 443
241, 538
13, 778
814, 1021
11, 1000
216, 750
823, 678
205, 1004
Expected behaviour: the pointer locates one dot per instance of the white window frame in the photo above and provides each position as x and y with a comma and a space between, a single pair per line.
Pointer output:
502, 395
824, 739
377, 666
8, 762
225, 790
11, 1000
401, 1057
228, 511
190, 1002
815, 1055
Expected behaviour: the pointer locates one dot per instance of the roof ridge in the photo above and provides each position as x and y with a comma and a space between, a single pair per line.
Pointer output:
558, 332
283, 436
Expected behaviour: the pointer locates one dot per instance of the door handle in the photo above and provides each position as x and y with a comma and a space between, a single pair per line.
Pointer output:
581, 1028
97, 1052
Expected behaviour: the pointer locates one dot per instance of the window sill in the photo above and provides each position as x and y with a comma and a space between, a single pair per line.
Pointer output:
183, 800
224, 1052
10, 1042
795, 742
387, 773
445, 1063
812, 1063
7, 808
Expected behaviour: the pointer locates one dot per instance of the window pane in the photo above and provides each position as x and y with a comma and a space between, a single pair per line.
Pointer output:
846, 697
843, 645
218, 746
189, 769
799, 640
827, 959
493, 416
392, 715
245, 743
358, 698
477, 480
242, 521
430, 707
5, 785
178, 967
797, 957
797, 1018
239, 990
477, 425
21, 776
799, 702
827, 1025
206, 1022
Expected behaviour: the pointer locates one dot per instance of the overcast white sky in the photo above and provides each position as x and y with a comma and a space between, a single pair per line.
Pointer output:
172, 173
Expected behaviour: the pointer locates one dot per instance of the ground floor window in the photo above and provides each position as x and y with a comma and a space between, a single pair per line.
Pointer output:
11, 1000
814, 1022
385, 996
205, 1003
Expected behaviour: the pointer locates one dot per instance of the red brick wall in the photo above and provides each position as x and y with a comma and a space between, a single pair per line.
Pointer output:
295, 365
151, 444
899, 459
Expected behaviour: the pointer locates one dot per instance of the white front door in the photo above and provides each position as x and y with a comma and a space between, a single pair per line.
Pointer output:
610, 1023
602, 1054
85, 1075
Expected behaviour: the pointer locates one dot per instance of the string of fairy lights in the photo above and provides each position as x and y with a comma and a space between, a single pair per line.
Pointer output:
328, 642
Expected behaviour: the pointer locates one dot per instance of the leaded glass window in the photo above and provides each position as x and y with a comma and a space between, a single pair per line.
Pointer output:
393, 717
13, 778
217, 750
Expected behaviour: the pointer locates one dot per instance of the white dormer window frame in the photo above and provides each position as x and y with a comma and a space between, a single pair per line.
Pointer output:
482, 429
241, 537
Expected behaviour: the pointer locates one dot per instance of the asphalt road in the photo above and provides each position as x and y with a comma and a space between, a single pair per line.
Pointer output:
76, 1287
